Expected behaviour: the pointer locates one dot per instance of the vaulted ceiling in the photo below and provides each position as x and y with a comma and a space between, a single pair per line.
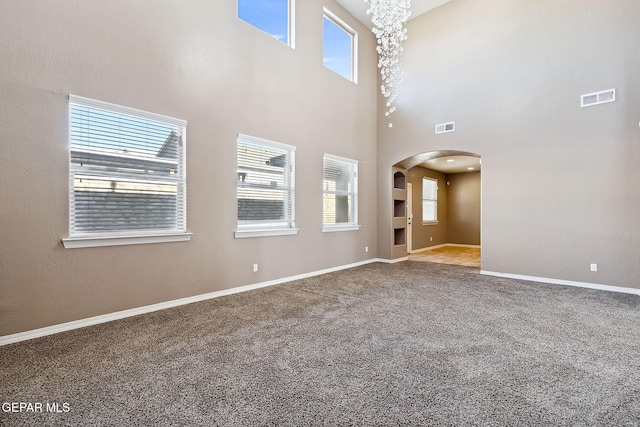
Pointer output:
358, 8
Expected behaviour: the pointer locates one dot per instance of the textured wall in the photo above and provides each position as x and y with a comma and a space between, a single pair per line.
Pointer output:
559, 182
190, 60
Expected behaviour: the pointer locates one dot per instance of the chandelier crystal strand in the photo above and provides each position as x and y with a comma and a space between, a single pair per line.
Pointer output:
388, 18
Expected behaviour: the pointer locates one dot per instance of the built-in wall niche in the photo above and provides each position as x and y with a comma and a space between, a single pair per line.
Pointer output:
399, 181
399, 197
399, 208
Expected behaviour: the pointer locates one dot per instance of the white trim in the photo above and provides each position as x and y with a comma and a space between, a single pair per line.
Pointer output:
457, 245
77, 324
333, 228
563, 282
292, 24
115, 108
393, 261
327, 14
93, 241
262, 141
340, 158
241, 234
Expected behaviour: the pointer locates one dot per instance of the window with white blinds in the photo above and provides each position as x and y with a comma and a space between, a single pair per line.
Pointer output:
127, 171
265, 187
340, 194
429, 200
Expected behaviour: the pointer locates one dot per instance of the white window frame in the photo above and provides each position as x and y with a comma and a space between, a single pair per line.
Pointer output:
353, 224
433, 182
291, 8
280, 228
116, 238
333, 18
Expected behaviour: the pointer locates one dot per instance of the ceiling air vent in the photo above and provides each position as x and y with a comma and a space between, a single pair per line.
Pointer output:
446, 127
598, 98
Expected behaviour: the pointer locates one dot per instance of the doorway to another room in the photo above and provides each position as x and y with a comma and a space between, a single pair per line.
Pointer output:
442, 200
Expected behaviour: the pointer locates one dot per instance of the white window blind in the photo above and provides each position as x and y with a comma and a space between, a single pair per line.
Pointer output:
265, 185
340, 192
429, 200
127, 171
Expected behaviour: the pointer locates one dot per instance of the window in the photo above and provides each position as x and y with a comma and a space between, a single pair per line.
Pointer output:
274, 17
429, 200
340, 194
339, 47
266, 197
126, 175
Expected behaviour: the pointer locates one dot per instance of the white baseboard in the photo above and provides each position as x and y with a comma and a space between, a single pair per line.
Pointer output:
457, 245
76, 324
392, 261
564, 282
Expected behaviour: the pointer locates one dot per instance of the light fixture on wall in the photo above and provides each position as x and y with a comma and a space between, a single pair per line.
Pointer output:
388, 18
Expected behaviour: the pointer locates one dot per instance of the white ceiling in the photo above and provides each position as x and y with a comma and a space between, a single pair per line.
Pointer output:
453, 164
358, 8
445, 161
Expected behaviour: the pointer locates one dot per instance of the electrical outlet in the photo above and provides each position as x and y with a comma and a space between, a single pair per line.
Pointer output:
366, 248
255, 268
431, 239
594, 267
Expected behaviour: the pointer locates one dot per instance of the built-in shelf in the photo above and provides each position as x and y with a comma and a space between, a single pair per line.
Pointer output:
400, 180
399, 195
399, 208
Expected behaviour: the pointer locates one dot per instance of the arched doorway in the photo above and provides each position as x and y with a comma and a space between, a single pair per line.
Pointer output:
437, 207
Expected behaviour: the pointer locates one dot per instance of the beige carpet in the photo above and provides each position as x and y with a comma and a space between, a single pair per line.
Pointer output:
456, 255
411, 344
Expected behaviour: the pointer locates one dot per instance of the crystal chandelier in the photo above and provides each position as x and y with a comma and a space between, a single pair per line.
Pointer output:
388, 18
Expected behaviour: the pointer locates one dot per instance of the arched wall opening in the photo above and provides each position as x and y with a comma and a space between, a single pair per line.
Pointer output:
437, 201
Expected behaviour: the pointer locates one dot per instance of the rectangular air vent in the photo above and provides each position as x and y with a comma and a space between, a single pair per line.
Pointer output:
596, 98
446, 127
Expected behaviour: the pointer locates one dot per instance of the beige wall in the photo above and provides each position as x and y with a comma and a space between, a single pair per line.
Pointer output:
423, 233
458, 209
191, 60
463, 208
559, 182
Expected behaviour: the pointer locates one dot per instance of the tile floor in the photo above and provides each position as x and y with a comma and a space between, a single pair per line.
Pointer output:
458, 255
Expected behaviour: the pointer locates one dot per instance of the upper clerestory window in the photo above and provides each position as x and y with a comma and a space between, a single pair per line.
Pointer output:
274, 17
340, 46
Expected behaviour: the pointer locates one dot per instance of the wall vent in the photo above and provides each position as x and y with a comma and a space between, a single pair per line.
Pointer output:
446, 127
596, 98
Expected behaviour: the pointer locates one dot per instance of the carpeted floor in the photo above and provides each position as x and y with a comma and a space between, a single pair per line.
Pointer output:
412, 343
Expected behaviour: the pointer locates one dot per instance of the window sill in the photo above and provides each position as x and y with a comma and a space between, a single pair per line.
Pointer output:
242, 234
93, 242
430, 222
333, 228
